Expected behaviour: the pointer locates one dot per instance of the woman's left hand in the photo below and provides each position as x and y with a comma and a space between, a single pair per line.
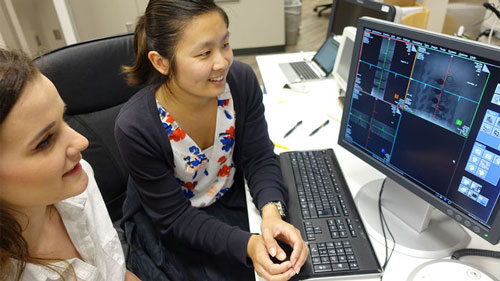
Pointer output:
129, 276
274, 227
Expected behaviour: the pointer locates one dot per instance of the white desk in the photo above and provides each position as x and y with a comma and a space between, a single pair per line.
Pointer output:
284, 108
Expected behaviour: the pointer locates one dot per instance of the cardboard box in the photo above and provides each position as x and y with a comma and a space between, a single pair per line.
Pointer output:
401, 3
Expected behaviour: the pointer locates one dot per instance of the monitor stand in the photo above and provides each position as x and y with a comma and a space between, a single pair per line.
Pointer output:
418, 228
444, 269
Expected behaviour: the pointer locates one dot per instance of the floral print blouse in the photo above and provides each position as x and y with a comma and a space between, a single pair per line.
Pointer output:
204, 175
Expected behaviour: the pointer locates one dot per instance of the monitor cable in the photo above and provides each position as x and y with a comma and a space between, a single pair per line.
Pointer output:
475, 252
384, 226
494, 10
485, 33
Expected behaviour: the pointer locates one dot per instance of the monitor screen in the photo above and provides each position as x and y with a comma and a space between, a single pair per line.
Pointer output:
347, 12
424, 109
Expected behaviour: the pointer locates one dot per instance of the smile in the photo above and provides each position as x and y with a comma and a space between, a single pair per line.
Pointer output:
75, 170
217, 79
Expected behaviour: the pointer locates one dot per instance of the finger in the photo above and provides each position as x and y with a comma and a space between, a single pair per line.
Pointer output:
280, 253
302, 259
282, 276
295, 240
273, 268
271, 244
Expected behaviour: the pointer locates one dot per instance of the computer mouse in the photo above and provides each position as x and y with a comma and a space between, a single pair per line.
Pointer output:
449, 270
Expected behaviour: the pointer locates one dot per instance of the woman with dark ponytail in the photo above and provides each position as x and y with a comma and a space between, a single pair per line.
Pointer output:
53, 221
190, 139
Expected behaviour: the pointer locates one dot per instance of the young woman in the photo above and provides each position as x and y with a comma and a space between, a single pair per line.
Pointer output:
190, 139
53, 220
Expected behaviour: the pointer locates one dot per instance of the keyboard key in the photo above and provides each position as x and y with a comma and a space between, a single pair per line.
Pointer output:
322, 268
353, 265
325, 260
313, 250
334, 259
340, 266
318, 230
324, 213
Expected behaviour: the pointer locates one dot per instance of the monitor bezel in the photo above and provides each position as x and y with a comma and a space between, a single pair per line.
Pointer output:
455, 43
391, 14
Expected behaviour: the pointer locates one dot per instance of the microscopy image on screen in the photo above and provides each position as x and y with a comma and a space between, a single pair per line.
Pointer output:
439, 87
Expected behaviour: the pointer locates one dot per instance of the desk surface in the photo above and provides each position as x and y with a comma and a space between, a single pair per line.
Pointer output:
285, 107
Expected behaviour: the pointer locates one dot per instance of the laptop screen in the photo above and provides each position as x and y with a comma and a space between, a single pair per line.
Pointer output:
325, 57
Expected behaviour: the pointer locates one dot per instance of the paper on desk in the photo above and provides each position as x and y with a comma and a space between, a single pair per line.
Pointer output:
285, 109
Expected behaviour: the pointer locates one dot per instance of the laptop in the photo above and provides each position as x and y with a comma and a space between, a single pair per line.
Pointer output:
319, 67
321, 206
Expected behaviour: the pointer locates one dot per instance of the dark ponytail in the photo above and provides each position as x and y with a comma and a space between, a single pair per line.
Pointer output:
142, 72
160, 29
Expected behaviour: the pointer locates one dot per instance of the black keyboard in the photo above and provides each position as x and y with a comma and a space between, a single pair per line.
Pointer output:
303, 70
322, 207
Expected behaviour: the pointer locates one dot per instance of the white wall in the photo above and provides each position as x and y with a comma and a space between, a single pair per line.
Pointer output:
253, 23
98, 18
37, 18
9, 38
256, 23
437, 13
47, 23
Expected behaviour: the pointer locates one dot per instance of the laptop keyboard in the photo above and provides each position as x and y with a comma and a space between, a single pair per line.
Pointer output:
303, 70
332, 227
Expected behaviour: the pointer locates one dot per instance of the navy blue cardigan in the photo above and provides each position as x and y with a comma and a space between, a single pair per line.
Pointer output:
147, 153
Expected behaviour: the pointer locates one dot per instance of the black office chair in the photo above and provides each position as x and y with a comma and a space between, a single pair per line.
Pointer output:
89, 79
322, 8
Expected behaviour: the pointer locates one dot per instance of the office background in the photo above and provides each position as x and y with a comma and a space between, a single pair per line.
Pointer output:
257, 26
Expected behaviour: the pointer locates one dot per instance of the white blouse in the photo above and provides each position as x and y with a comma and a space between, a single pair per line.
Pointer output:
88, 224
204, 175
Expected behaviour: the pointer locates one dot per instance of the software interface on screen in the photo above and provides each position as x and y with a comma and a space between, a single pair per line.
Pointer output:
433, 115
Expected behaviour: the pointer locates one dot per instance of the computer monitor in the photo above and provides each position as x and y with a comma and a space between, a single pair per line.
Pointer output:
343, 61
347, 12
424, 109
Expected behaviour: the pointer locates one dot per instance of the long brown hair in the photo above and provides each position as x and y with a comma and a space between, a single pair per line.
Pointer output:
16, 71
160, 29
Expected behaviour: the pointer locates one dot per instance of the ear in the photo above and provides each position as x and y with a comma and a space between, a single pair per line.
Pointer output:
160, 63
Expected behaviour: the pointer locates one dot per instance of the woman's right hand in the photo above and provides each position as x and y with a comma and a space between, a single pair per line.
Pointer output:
263, 265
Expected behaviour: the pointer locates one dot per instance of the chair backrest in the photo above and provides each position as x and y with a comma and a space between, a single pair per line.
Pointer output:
89, 79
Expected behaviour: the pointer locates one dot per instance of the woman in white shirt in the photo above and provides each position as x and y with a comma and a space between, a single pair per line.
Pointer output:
53, 221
